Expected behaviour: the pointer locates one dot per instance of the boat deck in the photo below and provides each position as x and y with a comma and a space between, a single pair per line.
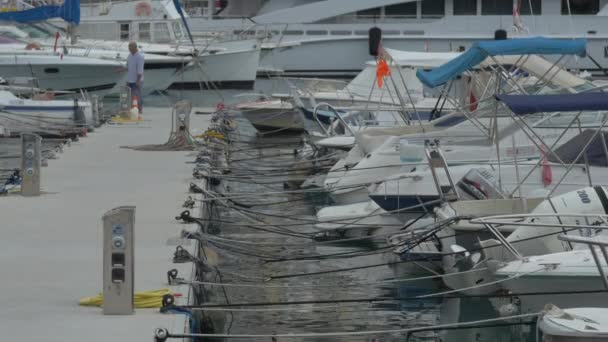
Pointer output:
51, 246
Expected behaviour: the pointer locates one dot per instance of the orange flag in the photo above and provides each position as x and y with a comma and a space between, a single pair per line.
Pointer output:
382, 70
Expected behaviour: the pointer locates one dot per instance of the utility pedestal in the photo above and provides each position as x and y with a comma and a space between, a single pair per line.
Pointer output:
31, 158
118, 261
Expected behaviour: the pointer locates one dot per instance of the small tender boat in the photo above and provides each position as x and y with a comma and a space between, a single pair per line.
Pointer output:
45, 116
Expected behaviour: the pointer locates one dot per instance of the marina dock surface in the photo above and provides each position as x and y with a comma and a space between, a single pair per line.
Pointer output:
51, 246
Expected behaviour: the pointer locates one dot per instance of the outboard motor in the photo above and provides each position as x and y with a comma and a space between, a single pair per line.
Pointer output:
375, 38
479, 184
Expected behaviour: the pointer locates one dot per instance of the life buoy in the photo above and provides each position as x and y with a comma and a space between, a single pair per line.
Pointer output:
143, 8
375, 38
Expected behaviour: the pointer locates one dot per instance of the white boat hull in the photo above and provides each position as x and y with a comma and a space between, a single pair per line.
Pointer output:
274, 119
57, 74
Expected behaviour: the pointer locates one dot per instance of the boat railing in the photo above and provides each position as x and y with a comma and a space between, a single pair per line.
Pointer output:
330, 131
494, 223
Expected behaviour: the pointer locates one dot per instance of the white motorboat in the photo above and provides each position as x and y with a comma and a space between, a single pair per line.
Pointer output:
414, 189
67, 73
579, 273
55, 117
302, 31
587, 324
353, 220
158, 29
401, 154
159, 70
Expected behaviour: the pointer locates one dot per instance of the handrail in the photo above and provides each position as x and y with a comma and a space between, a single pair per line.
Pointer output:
330, 107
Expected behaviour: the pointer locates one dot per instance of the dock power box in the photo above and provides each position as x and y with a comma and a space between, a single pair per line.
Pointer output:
118, 261
31, 162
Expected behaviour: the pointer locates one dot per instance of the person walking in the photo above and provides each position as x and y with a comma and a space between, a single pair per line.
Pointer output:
135, 74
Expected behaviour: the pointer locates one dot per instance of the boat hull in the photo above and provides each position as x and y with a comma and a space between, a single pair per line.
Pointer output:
100, 79
232, 69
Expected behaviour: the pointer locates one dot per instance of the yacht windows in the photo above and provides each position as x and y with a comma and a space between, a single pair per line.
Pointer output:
124, 31
580, 7
161, 33
535, 4
316, 32
432, 9
144, 32
465, 7
293, 32
341, 33
407, 9
370, 12
496, 7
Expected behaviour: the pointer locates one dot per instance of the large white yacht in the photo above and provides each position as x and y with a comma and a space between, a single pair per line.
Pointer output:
311, 33
157, 27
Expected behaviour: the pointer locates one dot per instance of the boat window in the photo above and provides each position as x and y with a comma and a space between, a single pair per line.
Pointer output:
407, 9
293, 32
124, 31
144, 32
580, 7
161, 33
432, 9
370, 12
341, 33
496, 7
177, 30
316, 32
390, 33
413, 33
465, 7
536, 6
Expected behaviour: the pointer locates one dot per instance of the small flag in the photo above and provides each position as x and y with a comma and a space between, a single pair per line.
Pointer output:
472, 102
56, 40
382, 70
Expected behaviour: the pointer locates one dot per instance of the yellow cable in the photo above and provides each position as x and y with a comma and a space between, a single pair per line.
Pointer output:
143, 300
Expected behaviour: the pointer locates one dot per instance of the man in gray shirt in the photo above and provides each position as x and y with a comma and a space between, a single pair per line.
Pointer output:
135, 73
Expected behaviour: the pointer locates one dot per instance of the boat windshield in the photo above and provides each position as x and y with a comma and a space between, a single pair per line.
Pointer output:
35, 31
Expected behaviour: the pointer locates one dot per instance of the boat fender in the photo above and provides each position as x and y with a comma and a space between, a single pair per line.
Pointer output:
375, 39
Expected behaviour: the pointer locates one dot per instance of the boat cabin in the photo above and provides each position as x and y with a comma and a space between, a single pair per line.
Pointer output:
142, 21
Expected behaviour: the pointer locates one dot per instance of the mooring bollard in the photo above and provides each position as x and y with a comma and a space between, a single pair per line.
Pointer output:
118, 261
95, 111
125, 102
31, 162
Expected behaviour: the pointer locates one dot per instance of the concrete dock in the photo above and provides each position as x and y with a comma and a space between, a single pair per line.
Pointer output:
51, 246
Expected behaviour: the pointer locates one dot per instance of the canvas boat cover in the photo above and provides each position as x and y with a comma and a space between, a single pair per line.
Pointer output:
69, 11
596, 154
532, 104
481, 50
